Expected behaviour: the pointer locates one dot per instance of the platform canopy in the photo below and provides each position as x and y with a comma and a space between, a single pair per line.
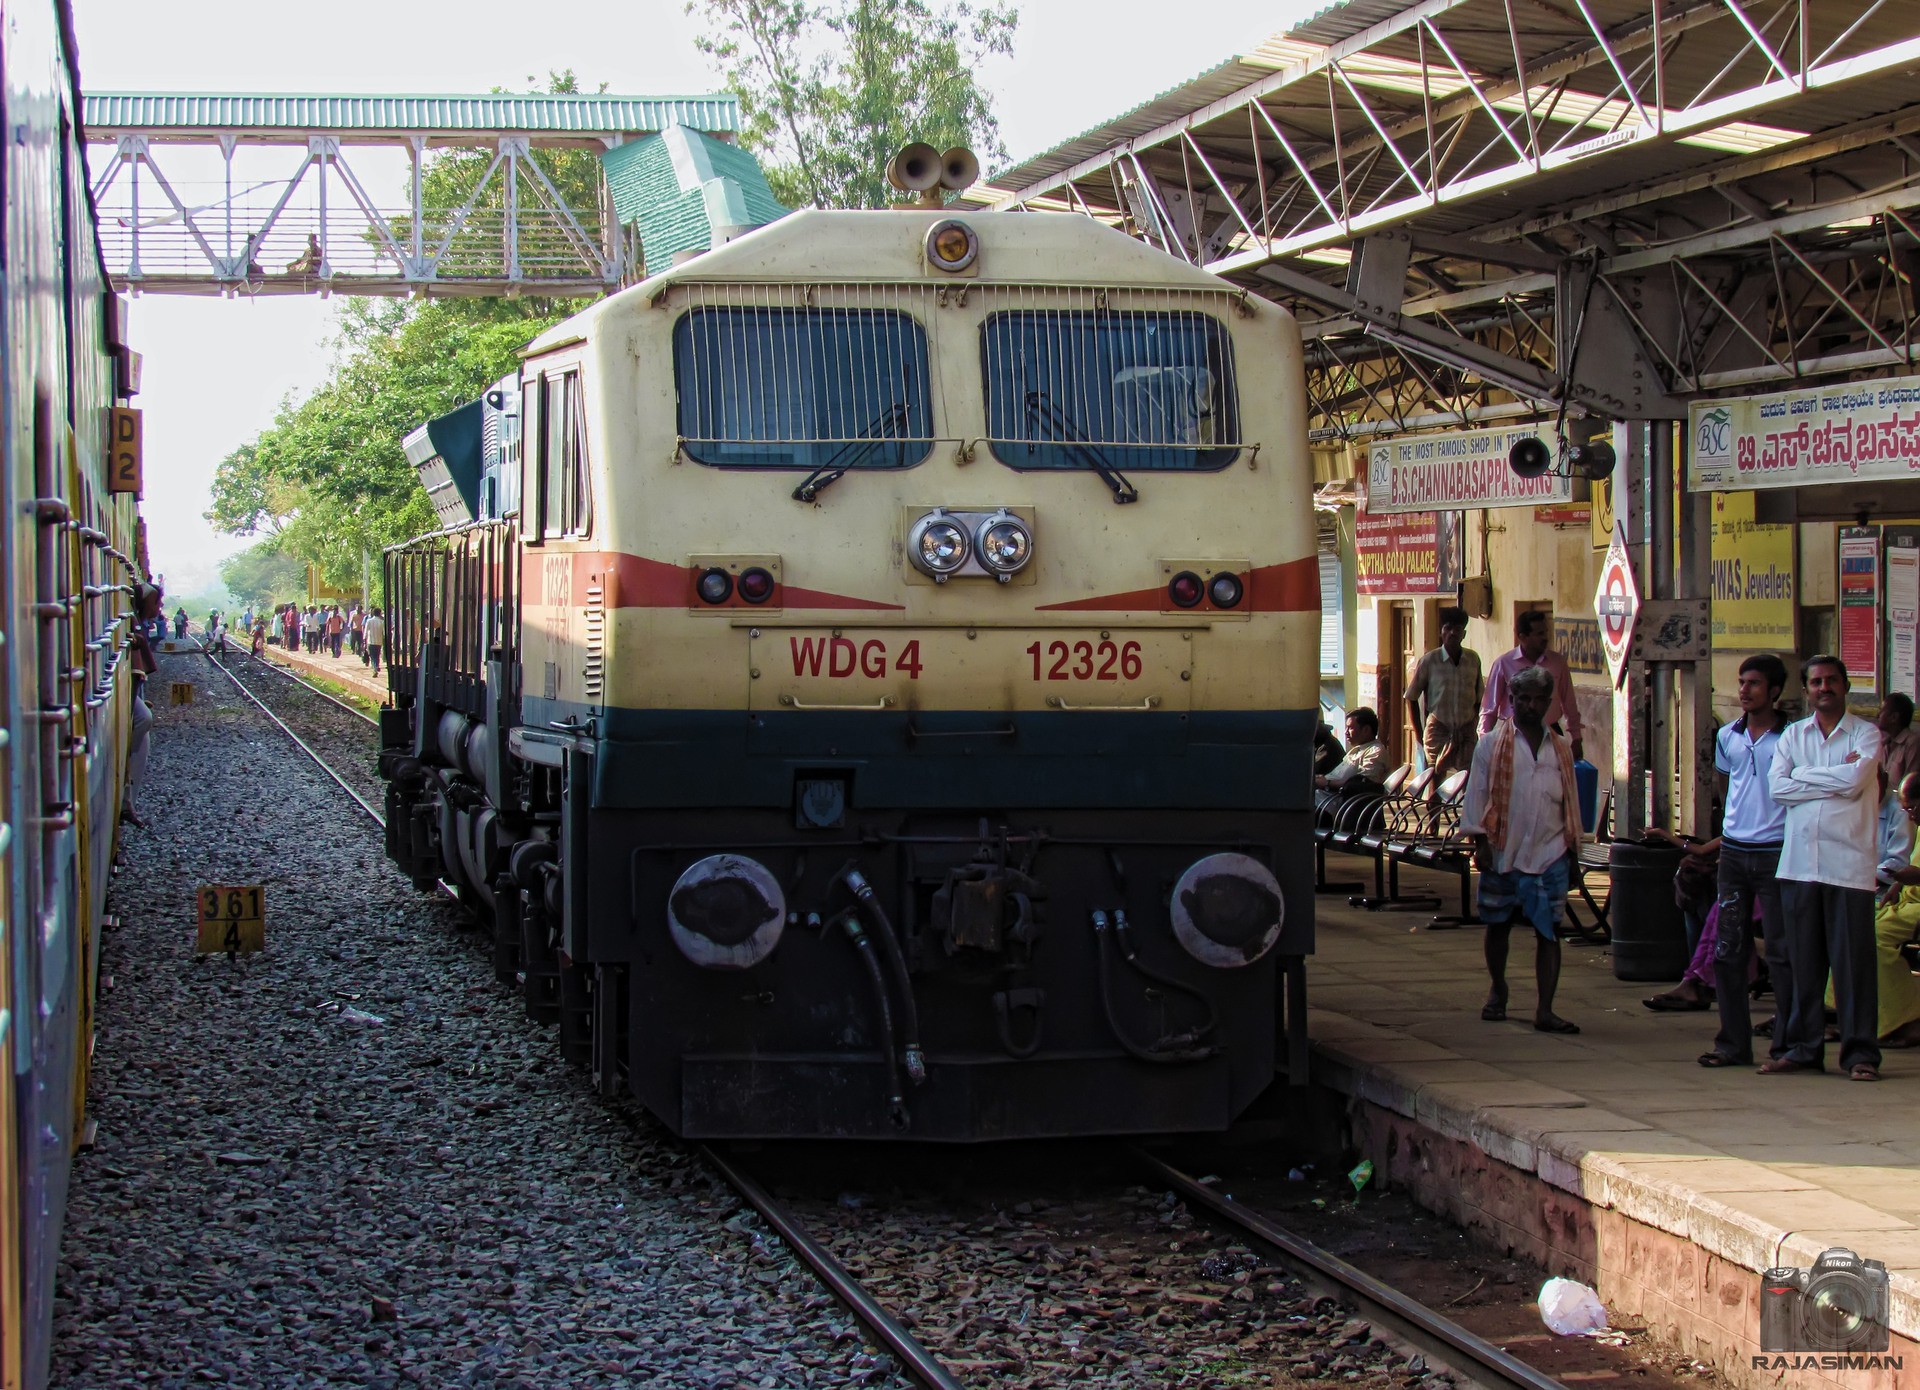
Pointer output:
1485, 208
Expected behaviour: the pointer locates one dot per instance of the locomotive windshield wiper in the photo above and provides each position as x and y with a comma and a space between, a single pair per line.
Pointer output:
1041, 407
890, 423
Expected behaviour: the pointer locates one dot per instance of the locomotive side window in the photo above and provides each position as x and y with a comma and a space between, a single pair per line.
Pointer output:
565, 504
802, 388
1135, 390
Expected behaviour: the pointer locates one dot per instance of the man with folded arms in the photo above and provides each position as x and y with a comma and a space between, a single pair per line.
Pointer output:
1825, 772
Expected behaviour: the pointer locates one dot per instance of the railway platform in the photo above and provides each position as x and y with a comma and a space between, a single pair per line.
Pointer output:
346, 671
1613, 1157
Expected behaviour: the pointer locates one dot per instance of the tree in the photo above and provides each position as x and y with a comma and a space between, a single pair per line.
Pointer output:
830, 92
262, 575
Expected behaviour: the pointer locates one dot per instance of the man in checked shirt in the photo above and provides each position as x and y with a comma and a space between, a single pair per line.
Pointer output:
1447, 680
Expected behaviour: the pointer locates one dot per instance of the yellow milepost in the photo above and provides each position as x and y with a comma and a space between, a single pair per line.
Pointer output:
182, 692
232, 919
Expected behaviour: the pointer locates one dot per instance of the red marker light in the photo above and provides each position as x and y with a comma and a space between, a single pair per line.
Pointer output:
756, 585
1185, 590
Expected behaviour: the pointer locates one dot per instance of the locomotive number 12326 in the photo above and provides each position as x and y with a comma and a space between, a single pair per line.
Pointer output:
839, 658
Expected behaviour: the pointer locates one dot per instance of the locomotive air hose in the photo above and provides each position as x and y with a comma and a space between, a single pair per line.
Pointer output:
896, 1100
1159, 1054
897, 965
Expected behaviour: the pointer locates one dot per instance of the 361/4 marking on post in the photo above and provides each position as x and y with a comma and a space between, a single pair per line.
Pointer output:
232, 919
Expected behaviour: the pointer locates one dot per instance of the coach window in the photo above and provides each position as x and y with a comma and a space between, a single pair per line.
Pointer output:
566, 509
802, 388
533, 467
1140, 390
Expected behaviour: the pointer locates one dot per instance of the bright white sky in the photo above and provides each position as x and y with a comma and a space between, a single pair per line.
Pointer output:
216, 370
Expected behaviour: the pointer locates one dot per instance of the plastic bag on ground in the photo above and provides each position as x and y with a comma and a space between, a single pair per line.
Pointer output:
1571, 1309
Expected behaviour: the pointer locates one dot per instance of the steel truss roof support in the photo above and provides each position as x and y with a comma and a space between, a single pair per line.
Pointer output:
1606, 204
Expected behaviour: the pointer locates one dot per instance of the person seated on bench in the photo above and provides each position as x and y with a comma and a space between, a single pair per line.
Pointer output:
1523, 812
1327, 750
1365, 767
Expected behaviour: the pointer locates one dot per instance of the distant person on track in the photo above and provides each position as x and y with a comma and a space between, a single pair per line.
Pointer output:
1523, 812
278, 634
180, 624
376, 637
259, 640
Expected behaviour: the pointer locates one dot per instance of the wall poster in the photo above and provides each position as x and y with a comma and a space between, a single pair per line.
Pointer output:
1755, 598
1860, 606
1903, 615
1407, 554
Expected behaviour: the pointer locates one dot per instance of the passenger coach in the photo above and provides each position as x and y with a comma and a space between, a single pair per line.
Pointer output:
873, 695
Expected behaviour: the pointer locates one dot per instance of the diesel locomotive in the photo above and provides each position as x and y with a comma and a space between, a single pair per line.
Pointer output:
866, 683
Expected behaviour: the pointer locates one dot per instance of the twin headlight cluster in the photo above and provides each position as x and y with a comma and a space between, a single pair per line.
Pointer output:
942, 544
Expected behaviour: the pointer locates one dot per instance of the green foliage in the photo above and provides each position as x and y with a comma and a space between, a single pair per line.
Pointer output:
263, 575
829, 92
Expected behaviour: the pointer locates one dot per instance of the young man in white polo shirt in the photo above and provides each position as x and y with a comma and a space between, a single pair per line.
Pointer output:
1750, 839
1826, 773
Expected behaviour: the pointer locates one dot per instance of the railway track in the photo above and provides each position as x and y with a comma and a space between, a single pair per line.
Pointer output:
1403, 1321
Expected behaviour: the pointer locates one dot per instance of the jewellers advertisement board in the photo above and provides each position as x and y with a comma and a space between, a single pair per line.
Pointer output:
1754, 603
1447, 472
1854, 432
1407, 554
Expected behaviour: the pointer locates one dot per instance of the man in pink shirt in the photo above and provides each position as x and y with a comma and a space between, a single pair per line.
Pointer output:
1531, 635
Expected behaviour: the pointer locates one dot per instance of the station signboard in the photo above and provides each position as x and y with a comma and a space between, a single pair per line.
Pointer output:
1755, 594
1849, 432
1406, 554
1462, 470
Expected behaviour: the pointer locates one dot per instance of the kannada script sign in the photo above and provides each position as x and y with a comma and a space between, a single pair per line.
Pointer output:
1862, 431
1450, 472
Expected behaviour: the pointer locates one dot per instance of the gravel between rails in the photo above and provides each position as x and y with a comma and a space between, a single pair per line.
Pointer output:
349, 742
1043, 1279
286, 1196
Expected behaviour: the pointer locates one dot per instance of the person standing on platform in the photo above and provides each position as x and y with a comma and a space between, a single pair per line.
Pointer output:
1522, 810
1826, 770
293, 627
376, 638
336, 631
1448, 681
313, 626
1750, 839
1899, 744
1896, 923
1533, 637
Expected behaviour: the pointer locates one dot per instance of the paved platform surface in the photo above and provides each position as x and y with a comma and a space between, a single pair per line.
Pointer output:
1758, 1170
347, 671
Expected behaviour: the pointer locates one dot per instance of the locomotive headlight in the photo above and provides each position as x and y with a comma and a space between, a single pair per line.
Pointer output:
952, 245
937, 546
715, 586
1004, 545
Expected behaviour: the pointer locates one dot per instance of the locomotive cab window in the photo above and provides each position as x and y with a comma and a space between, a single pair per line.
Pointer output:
1120, 389
802, 388
565, 500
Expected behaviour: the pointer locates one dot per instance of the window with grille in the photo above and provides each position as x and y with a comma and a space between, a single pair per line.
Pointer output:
1142, 389
801, 387
566, 501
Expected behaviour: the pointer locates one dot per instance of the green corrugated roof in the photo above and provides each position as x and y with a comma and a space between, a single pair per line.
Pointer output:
680, 185
532, 113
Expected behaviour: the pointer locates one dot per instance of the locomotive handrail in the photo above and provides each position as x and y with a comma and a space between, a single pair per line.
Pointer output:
1059, 703
884, 702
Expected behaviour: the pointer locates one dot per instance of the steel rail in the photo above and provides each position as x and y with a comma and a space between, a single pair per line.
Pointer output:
279, 670
919, 1363
1445, 1344
301, 744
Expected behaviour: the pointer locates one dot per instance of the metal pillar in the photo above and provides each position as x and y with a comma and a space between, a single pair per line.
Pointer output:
1630, 697
1696, 679
1658, 584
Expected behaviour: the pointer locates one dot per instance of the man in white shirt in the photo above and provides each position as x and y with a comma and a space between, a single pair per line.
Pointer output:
374, 636
1367, 757
1826, 771
1522, 811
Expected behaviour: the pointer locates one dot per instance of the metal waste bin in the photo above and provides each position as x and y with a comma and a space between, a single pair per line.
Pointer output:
1649, 934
